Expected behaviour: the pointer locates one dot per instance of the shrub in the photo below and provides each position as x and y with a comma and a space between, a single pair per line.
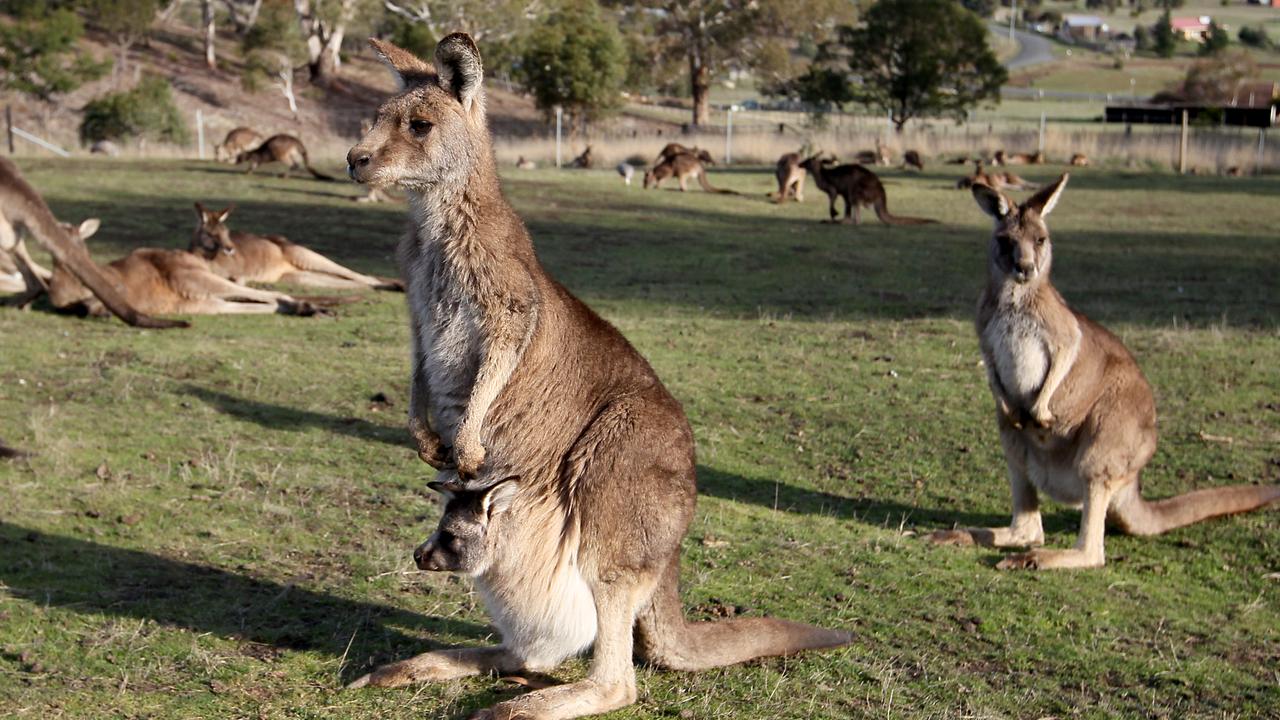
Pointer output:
1254, 37
146, 111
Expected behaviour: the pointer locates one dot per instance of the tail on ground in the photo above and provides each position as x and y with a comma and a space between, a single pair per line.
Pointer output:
306, 162
706, 185
389, 284
664, 638
888, 218
1137, 516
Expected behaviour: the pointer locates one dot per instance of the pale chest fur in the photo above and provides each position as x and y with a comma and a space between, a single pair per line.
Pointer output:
1016, 349
448, 336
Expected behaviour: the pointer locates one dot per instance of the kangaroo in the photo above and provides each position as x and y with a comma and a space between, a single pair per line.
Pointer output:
790, 177
245, 257
22, 208
911, 159
584, 161
166, 282
514, 376
682, 167
523, 164
237, 141
670, 150
1080, 159
469, 535
994, 179
1076, 416
858, 186
281, 148
8, 453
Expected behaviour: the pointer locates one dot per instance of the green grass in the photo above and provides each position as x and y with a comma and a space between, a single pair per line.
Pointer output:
218, 521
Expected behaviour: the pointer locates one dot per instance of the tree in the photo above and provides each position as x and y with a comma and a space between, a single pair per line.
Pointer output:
1216, 79
273, 47
243, 14
210, 30
495, 25
40, 53
1255, 37
324, 24
575, 58
1163, 41
985, 8
126, 21
1215, 40
922, 57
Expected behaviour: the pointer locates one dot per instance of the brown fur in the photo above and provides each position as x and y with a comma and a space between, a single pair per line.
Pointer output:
790, 177
1076, 416
514, 376
22, 208
584, 161
237, 141
1080, 160
249, 258
995, 179
170, 282
282, 148
681, 166
858, 186
673, 149
911, 159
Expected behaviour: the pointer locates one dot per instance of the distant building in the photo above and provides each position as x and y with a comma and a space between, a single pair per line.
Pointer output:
1252, 104
1192, 28
1083, 29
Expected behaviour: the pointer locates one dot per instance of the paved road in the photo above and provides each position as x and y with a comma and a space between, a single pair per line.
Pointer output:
1033, 48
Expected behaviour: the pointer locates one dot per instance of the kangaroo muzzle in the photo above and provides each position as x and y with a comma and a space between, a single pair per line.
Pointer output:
432, 558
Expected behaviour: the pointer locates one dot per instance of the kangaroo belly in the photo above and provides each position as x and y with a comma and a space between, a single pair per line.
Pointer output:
543, 628
1019, 355
1054, 478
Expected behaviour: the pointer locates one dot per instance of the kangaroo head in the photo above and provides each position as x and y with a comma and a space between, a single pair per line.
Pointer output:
1020, 247
433, 132
705, 157
464, 540
65, 289
649, 179
212, 234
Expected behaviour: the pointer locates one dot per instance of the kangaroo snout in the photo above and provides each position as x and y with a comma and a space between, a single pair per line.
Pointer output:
358, 162
430, 558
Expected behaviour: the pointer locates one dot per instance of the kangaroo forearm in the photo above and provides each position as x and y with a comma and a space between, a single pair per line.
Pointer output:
500, 361
1060, 364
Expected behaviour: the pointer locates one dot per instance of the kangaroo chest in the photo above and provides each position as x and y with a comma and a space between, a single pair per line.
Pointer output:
1018, 354
448, 338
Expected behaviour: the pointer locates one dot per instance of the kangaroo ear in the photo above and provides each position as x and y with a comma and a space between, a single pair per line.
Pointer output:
1043, 201
222, 216
992, 201
498, 498
460, 70
200, 210
88, 228
407, 68
447, 489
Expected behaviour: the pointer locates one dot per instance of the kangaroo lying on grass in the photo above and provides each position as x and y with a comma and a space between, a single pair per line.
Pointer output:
682, 167
239, 140
790, 175
245, 257
168, 282
858, 186
673, 149
1077, 418
994, 179
22, 208
281, 148
515, 376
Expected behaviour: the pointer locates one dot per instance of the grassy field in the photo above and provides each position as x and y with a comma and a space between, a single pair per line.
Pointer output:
217, 521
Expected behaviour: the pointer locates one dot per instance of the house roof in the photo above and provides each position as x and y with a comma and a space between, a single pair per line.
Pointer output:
1190, 23
1083, 21
1255, 94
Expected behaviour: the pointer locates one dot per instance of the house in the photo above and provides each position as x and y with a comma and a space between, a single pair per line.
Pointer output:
1191, 28
1082, 29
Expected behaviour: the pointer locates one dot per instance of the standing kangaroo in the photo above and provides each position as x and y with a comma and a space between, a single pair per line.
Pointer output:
281, 148
22, 208
790, 176
858, 186
245, 257
1077, 418
682, 166
514, 376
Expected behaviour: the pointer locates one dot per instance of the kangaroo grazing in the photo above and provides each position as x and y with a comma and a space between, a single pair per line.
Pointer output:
245, 257
22, 208
790, 175
1076, 416
858, 186
671, 150
682, 167
282, 148
164, 282
911, 159
514, 376
237, 141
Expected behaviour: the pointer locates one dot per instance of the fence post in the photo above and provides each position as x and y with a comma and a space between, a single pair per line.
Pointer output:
728, 136
1182, 146
200, 131
559, 115
8, 125
1262, 142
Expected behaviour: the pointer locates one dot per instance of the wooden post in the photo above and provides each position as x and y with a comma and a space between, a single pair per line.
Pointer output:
8, 125
1182, 146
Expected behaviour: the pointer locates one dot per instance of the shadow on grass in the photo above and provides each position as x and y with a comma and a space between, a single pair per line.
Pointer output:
280, 417
90, 577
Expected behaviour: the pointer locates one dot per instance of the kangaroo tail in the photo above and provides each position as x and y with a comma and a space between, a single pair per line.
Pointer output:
1137, 516
389, 283
706, 185
306, 162
7, 452
666, 640
888, 218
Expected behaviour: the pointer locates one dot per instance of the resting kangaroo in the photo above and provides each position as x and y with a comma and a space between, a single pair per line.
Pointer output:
514, 376
790, 177
245, 257
165, 282
237, 141
681, 167
22, 208
671, 150
858, 186
281, 148
1076, 416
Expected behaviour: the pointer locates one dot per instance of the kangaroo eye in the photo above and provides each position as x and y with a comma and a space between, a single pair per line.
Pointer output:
1040, 240
420, 127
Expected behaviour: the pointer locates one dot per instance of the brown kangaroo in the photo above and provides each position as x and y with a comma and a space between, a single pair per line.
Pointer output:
682, 167
237, 141
993, 179
514, 376
584, 161
1076, 416
281, 148
911, 159
245, 257
671, 150
22, 208
790, 177
1080, 160
165, 282
858, 186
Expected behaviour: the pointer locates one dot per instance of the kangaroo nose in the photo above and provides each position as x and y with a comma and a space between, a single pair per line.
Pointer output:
357, 161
